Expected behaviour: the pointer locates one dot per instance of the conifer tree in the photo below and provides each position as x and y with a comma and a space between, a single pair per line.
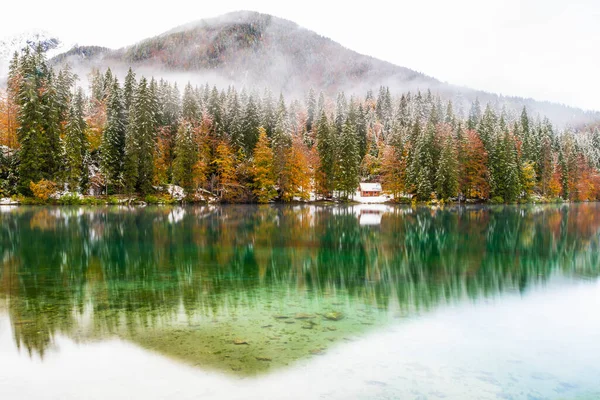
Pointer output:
250, 124
113, 139
447, 173
76, 146
129, 88
348, 162
38, 121
474, 115
311, 110
185, 168
327, 155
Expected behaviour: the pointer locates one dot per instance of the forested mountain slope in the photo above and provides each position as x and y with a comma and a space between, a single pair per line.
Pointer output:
253, 50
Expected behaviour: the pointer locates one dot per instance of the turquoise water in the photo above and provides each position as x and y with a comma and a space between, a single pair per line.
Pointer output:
365, 302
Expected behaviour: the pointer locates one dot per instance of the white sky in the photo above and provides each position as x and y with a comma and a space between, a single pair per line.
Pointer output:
545, 49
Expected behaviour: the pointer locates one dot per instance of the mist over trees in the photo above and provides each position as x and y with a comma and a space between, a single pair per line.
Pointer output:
250, 49
243, 145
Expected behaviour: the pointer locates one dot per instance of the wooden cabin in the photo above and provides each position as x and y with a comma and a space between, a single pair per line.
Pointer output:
369, 189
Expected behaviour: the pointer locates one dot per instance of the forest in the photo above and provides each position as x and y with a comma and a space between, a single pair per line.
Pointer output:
237, 146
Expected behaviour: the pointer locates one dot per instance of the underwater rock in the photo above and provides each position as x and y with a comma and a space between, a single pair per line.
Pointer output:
334, 316
308, 325
303, 316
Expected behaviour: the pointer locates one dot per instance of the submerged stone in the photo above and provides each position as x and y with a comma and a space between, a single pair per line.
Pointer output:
303, 316
334, 316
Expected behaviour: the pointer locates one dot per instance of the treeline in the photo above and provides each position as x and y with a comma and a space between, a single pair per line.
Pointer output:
240, 146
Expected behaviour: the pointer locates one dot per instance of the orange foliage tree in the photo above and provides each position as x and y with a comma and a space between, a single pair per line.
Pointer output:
474, 175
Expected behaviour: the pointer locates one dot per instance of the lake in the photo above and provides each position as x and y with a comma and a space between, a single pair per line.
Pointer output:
300, 302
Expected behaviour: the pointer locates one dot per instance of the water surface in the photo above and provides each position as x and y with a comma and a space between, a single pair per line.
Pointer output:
300, 302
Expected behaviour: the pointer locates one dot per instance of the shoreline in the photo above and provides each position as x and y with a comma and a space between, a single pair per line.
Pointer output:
141, 202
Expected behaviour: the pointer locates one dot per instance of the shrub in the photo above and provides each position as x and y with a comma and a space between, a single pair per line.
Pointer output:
69, 199
43, 189
151, 199
497, 200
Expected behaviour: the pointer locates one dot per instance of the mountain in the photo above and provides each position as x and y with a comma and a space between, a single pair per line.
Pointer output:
50, 43
257, 50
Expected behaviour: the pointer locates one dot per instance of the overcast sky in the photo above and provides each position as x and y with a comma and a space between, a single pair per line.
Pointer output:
545, 49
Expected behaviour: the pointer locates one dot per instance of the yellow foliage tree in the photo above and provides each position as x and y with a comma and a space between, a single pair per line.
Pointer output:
296, 179
229, 188
43, 189
393, 171
8, 121
263, 170
528, 177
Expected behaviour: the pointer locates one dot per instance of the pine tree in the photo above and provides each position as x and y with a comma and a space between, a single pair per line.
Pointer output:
263, 169
113, 139
76, 146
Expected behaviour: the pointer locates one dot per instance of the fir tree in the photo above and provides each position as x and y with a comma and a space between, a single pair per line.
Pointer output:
447, 173
113, 139
185, 168
250, 124
76, 146
327, 155
348, 161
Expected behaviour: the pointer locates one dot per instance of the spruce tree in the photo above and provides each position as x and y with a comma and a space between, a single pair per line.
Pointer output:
311, 110
250, 124
327, 154
113, 139
447, 173
76, 146
186, 158
348, 161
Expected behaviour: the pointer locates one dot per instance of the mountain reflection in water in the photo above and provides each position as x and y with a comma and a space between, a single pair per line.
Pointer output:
250, 289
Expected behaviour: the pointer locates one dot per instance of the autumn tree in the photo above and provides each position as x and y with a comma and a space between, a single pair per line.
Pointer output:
296, 174
393, 171
263, 169
474, 176
229, 189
